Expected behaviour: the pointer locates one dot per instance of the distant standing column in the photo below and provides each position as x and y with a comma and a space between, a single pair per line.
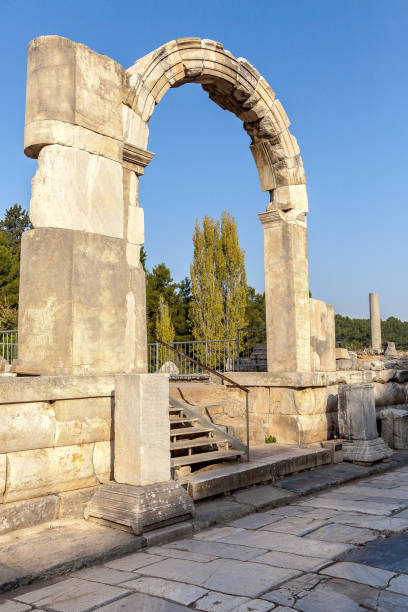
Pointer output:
375, 319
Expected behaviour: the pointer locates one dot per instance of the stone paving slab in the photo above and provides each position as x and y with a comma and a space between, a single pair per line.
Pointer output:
389, 553
13, 606
140, 602
288, 593
179, 592
219, 602
346, 534
71, 595
292, 561
224, 575
357, 572
284, 542
219, 549
295, 525
133, 562
399, 584
105, 575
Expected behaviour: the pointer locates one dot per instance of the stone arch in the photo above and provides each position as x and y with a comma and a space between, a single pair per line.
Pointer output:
82, 305
235, 85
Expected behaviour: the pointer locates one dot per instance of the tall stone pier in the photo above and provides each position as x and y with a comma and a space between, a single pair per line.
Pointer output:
375, 320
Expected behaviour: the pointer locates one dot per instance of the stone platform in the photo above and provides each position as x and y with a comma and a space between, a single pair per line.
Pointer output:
268, 463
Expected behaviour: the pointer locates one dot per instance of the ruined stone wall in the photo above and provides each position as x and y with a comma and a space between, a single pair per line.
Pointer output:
55, 445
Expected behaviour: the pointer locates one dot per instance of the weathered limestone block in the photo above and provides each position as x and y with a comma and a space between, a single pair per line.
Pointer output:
52, 388
103, 460
135, 130
295, 196
50, 131
73, 189
140, 508
358, 425
142, 438
391, 393
342, 353
286, 294
357, 417
394, 427
45, 471
322, 336
366, 451
135, 230
27, 513
344, 364
135, 343
300, 429
3, 471
68, 82
72, 503
26, 426
74, 315
83, 420
390, 350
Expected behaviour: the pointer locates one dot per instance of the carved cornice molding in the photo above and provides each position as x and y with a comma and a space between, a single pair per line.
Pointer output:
136, 158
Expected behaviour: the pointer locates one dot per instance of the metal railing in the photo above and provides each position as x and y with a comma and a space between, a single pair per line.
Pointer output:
9, 344
229, 355
220, 355
252, 348
222, 376
246, 352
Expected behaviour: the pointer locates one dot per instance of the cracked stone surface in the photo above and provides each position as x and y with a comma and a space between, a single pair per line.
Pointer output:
341, 550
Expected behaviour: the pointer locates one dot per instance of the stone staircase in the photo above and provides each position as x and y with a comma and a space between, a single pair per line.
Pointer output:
196, 442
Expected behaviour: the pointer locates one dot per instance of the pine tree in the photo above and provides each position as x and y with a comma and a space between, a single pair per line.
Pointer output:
233, 277
206, 307
164, 326
16, 221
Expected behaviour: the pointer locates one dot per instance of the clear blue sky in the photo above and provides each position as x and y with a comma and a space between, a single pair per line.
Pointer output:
340, 71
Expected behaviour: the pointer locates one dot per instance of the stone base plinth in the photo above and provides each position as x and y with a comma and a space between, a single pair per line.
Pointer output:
365, 451
139, 509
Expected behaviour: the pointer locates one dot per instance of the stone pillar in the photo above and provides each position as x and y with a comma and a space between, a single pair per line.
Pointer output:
322, 337
358, 424
286, 292
375, 320
82, 286
142, 495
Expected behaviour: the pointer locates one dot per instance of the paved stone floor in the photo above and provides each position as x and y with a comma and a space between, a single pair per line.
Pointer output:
341, 550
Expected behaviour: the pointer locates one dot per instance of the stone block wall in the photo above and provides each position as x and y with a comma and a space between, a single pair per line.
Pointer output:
299, 408
54, 449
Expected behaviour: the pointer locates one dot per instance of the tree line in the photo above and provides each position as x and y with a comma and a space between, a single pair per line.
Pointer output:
210, 304
355, 334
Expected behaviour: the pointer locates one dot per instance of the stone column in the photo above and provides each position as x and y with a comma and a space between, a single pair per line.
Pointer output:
358, 424
375, 320
82, 286
142, 495
286, 292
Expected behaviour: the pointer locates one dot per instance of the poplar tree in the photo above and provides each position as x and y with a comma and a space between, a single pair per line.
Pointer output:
218, 280
233, 277
206, 308
164, 326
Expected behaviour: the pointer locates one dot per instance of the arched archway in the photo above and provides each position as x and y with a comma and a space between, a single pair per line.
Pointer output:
82, 296
235, 85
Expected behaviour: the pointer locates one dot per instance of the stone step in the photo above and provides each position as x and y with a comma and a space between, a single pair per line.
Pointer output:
187, 431
185, 444
182, 420
206, 457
